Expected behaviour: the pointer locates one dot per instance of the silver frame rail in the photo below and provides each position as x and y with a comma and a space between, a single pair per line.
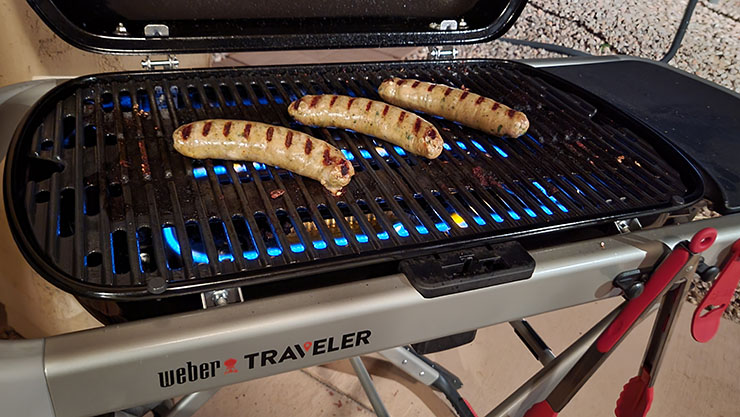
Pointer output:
121, 366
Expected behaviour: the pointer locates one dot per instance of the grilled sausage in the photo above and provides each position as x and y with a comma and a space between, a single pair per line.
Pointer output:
370, 117
272, 145
468, 108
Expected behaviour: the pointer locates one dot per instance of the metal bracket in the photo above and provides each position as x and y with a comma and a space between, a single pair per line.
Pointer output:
443, 52
449, 24
627, 226
219, 298
156, 30
411, 364
170, 63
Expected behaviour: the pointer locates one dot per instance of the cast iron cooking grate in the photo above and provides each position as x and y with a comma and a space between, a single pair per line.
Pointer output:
106, 207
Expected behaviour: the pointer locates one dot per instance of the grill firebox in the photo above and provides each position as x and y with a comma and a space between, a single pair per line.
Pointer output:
102, 205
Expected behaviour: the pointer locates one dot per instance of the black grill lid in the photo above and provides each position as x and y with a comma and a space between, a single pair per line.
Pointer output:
138, 26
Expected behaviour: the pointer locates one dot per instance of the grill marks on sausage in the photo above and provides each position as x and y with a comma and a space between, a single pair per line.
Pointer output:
345, 167
268, 134
297, 103
333, 100
247, 129
186, 131
307, 148
401, 116
510, 113
417, 125
207, 128
431, 133
327, 157
463, 95
289, 139
400, 82
480, 100
350, 102
431, 87
227, 128
385, 110
369, 104
495, 106
314, 101
448, 91
415, 84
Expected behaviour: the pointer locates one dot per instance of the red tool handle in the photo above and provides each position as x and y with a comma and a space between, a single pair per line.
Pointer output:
709, 312
636, 397
662, 276
541, 409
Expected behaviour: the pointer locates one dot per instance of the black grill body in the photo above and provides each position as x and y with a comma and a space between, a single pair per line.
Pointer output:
102, 206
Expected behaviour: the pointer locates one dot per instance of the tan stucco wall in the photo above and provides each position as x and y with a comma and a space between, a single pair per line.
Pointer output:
29, 49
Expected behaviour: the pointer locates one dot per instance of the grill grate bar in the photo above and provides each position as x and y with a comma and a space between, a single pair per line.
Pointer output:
165, 121
157, 184
128, 178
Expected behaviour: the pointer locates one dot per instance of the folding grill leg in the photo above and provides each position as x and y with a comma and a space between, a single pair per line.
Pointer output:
368, 386
533, 341
539, 386
430, 373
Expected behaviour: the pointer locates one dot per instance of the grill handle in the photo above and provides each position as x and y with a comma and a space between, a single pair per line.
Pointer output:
468, 269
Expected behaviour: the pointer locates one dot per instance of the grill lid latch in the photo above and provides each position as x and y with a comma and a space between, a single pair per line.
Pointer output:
151, 64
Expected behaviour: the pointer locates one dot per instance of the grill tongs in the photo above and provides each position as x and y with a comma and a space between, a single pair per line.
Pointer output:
670, 281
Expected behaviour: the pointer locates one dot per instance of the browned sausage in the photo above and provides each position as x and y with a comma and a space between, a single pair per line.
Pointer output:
273, 145
374, 118
462, 106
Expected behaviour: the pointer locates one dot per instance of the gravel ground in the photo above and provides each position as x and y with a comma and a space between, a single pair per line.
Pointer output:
710, 49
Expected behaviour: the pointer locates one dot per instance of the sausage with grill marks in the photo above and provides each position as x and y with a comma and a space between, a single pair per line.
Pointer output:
468, 108
273, 145
370, 117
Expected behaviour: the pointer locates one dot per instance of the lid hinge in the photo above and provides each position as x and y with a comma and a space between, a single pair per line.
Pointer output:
170, 63
442, 52
446, 52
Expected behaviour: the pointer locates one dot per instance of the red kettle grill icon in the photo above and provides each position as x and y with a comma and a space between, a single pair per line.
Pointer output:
230, 364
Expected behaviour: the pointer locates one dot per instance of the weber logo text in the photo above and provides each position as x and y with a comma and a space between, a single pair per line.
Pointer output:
194, 371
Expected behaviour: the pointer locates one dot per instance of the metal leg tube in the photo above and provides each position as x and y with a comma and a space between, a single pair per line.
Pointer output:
539, 386
533, 341
368, 386
190, 403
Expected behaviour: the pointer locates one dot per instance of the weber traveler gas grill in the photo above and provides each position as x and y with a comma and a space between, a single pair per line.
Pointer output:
210, 272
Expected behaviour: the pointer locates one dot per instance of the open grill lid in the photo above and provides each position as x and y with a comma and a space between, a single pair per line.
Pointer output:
139, 26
